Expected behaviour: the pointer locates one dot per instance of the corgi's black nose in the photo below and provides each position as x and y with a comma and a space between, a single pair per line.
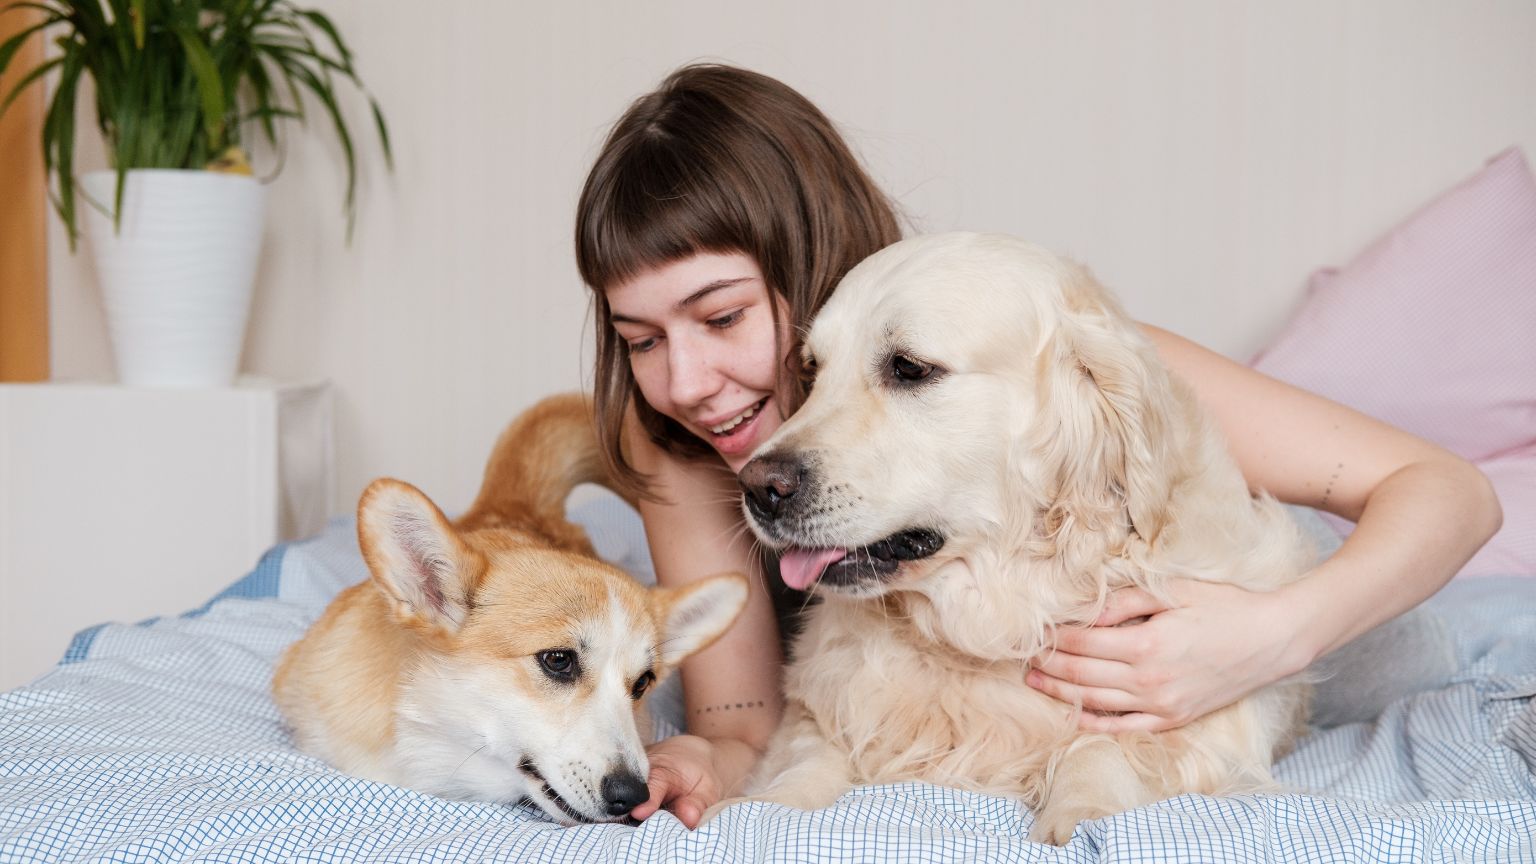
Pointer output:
769, 481
623, 791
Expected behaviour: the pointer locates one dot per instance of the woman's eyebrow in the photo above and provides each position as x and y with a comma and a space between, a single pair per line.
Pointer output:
683, 304
708, 289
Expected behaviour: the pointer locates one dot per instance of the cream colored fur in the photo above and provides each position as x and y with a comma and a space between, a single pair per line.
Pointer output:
1059, 460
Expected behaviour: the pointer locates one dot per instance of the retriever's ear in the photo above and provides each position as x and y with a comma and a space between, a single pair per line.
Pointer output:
1105, 414
415, 556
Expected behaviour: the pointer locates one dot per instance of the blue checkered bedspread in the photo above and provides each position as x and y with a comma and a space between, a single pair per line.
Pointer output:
158, 742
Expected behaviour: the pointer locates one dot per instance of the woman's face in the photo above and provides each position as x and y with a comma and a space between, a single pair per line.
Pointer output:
701, 345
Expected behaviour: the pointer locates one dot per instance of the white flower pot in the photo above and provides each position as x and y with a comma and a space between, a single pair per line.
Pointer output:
176, 276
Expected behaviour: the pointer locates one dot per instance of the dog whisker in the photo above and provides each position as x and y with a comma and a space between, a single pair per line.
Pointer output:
454, 773
755, 551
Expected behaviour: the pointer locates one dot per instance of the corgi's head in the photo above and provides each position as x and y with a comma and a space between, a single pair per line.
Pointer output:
530, 664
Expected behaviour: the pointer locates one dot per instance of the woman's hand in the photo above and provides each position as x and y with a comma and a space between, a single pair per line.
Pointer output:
690, 773
1210, 646
683, 779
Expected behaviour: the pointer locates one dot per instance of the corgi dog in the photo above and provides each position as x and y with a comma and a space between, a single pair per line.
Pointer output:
496, 657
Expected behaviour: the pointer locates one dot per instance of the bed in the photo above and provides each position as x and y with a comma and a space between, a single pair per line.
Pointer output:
158, 741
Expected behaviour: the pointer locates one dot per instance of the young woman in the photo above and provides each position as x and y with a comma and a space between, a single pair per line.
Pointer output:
721, 213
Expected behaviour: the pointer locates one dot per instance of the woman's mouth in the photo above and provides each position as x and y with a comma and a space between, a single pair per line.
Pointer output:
735, 435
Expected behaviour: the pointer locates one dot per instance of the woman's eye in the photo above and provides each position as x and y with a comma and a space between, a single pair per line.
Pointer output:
642, 684
640, 346
559, 664
726, 320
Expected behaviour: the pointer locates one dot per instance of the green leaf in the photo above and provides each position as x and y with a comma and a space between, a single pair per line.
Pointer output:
269, 113
60, 9
322, 91
324, 23
378, 123
265, 108
63, 139
42, 69
209, 84
9, 48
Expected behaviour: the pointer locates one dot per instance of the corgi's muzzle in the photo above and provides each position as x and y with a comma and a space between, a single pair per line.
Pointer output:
622, 790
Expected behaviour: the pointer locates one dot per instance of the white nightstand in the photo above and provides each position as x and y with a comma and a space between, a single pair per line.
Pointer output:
119, 504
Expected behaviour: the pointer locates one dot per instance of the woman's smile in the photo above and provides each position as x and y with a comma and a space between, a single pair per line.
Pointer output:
738, 436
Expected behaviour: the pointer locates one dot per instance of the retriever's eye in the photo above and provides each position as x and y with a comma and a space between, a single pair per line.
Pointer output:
808, 373
560, 664
907, 369
642, 684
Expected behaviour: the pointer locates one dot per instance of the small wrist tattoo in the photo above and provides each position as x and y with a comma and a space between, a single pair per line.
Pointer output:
730, 706
1331, 480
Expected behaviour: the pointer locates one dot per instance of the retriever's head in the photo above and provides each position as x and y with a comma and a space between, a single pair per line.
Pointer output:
973, 394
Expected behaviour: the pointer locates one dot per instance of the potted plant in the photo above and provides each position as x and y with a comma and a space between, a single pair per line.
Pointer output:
175, 225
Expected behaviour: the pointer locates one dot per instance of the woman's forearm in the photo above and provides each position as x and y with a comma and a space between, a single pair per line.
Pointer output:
1419, 526
734, 760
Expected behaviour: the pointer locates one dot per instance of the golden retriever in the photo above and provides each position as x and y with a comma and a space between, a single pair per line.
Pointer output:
990, 447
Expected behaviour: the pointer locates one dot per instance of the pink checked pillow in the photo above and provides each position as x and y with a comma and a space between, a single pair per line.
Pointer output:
1433, 329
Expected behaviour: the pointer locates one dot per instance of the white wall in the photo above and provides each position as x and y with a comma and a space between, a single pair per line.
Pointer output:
1202, 157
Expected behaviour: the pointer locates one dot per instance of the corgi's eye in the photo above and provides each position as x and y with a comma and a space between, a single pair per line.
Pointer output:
642, 684
560, 664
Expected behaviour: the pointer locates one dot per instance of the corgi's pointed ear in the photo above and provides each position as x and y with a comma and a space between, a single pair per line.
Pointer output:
413, 553
695, 615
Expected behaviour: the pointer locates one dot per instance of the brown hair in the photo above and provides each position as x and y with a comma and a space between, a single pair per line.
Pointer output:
720, 159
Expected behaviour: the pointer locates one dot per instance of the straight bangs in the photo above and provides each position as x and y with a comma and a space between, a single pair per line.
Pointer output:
654, 198
658, 202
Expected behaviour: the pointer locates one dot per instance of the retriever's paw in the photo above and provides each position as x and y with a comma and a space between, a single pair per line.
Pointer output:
715, 809
798, 799
1055, 825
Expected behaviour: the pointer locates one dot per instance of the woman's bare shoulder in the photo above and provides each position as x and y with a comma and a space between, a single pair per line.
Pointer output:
692, 513
671, 476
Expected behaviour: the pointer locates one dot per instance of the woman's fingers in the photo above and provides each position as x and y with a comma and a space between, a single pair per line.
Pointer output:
1085, 671
661, 782
1126, 604
1123, 644
689, 810
1090, 698
1131, 722
1105, 709
674, 784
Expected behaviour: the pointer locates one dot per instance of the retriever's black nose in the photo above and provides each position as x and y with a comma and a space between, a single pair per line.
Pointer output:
768, 481
623, 791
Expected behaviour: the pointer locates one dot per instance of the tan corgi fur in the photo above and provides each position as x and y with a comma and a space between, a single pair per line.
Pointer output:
495, 657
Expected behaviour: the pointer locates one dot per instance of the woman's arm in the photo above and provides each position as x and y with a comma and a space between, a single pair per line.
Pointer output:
1421, 512
730, 689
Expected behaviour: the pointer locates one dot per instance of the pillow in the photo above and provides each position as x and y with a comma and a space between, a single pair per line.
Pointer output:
1433, 329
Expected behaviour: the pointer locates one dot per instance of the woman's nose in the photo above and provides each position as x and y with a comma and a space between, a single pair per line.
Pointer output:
692, 373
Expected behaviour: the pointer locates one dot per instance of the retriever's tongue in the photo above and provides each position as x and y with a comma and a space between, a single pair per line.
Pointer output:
801, 567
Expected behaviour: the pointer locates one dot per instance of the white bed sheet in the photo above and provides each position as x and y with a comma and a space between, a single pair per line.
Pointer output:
158, 741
